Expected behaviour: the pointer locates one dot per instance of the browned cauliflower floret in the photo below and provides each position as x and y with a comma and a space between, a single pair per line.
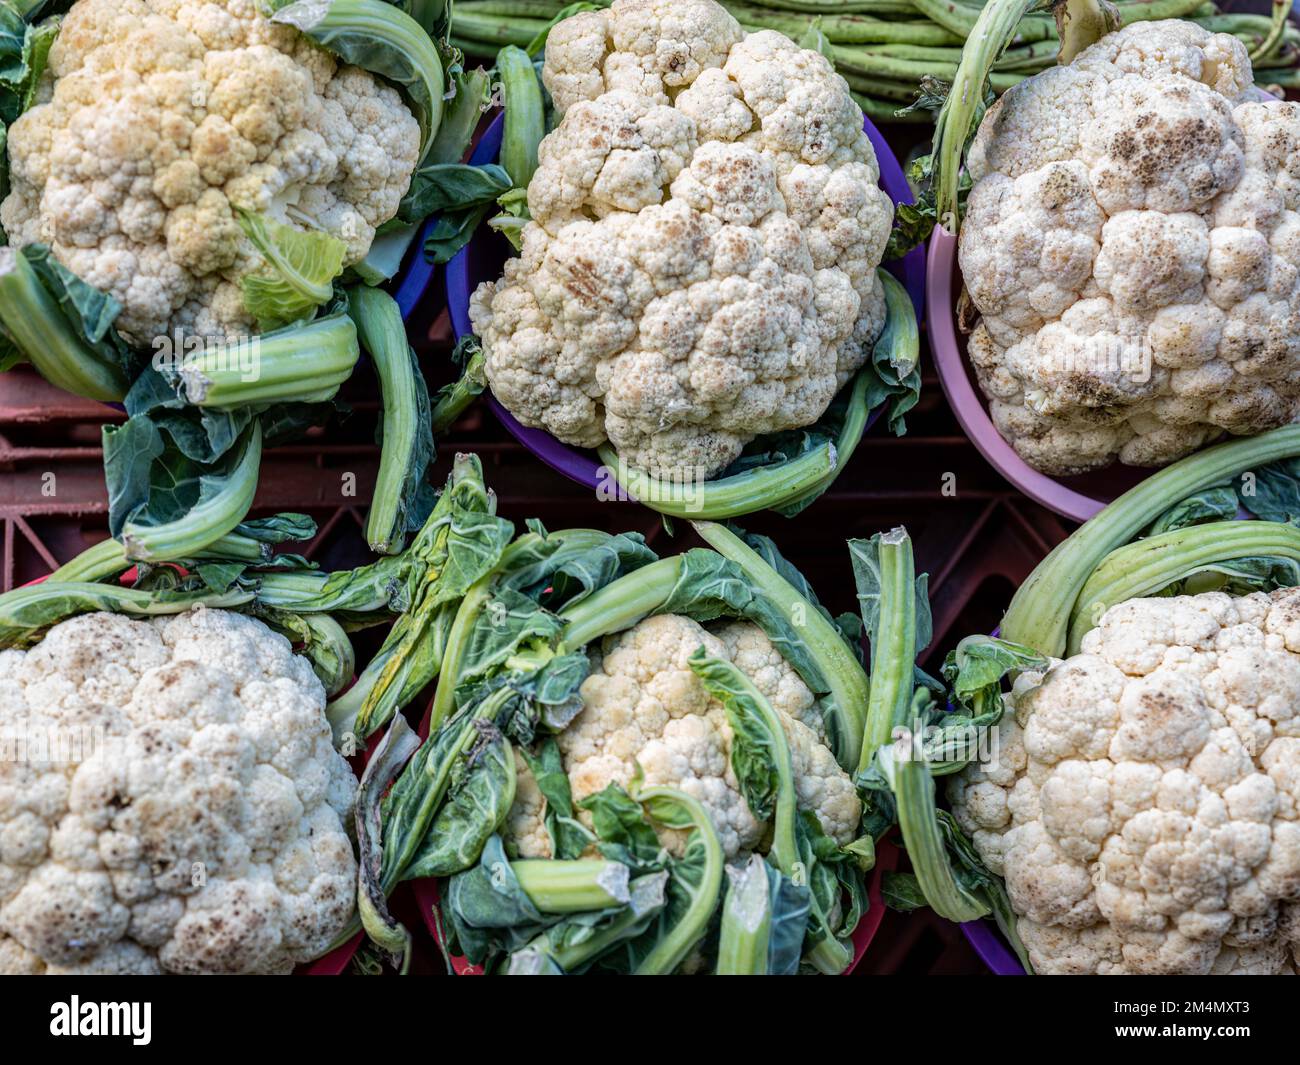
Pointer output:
159, 117
1132, 244
701, 265
643, 706
1144, 804
187, 812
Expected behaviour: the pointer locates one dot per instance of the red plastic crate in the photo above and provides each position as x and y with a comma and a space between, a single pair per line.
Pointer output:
974, 535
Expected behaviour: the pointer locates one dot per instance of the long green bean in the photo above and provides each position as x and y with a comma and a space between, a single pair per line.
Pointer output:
845, 29
1281, 8
1283, 79
842, 7
921, 53
861, 62
884, 47
489, 29
862, 29
1001, 81
961, 20
1150, 10
1029, 57
538, 9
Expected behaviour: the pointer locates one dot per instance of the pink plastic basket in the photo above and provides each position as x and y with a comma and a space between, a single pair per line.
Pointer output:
1077, 498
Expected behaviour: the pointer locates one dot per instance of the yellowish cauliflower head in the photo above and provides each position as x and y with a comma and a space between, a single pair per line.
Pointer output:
186, 810
1132, 243
701, 265
157, 117
644, 705
1144, 807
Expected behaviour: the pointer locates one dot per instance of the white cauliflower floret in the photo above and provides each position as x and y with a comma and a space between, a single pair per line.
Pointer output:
193, 817
644, 707
1142, 806
165, 115
1132, 245
700, 268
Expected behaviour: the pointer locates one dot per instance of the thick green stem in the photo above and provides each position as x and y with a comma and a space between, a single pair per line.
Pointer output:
209, 519
893, 645
25, 613
444, 700
620, 604
746, 922
525, 121
105, 559
379, 326
1148, 566
993, 31
843, 674
461, 116
572, 886
681, 811
1039, 614
34, 321
303, 363
728, 497
452, 401
913, 789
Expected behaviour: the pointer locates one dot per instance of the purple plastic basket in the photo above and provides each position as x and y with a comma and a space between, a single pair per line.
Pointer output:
987, 942
472, 265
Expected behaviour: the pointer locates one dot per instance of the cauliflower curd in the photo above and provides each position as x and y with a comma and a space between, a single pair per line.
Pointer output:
701, 264
1144, 807
644, 706
203, 829
1132, 243
157, 117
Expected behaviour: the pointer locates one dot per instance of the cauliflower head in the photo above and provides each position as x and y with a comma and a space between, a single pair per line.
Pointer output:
1132, 243
644, 706
157, 118
178, 805
1144, 804
700, 268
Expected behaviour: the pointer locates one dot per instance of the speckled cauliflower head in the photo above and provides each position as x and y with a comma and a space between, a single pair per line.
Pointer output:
701, 265
190, 818
1132, 244
1144, 808
157, 117
644, 705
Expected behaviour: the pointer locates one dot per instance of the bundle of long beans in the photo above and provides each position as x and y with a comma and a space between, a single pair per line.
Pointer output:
884, 47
